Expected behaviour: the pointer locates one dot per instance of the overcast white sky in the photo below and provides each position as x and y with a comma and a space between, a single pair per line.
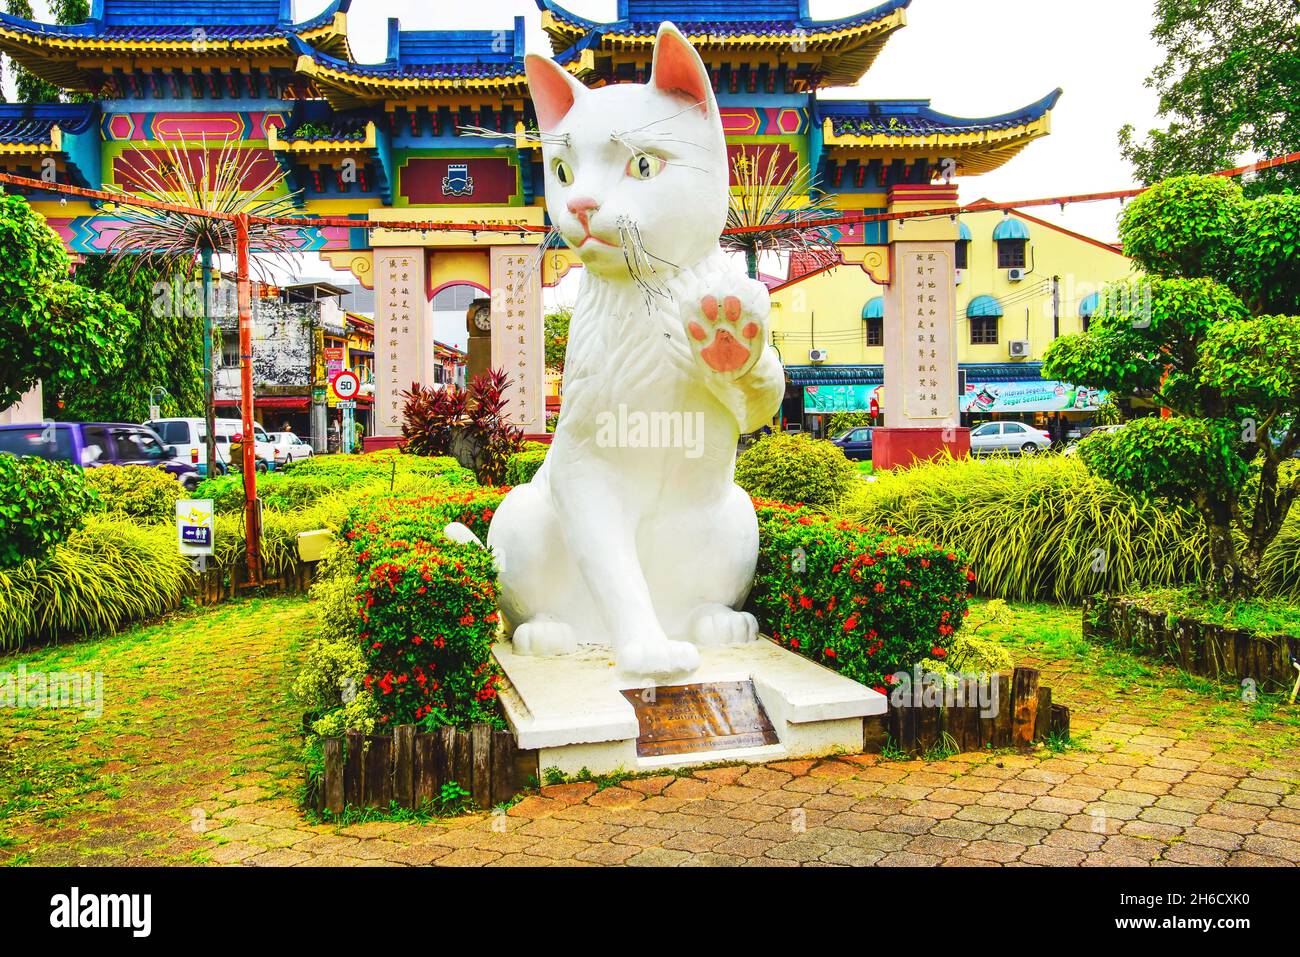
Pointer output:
969, 57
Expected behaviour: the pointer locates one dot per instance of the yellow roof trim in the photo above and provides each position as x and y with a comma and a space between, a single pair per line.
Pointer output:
976, 152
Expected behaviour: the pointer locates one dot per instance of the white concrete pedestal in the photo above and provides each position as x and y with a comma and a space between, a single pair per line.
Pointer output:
571, 708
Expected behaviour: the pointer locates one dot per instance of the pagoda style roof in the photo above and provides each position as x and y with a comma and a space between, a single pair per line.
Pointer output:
843, 49
913, 127
66, 132
423, 62
164, 30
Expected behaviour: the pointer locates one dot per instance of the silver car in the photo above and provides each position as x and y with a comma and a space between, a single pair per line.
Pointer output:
1008, 437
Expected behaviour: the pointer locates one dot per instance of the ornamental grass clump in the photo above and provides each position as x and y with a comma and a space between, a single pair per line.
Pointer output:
866, 603
1037, 527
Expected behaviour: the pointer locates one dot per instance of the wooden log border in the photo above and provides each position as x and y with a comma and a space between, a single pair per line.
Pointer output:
410, 767
222, 584
1197, 647
1025, 714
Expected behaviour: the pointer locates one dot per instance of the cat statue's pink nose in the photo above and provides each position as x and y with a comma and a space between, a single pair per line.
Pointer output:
583, 205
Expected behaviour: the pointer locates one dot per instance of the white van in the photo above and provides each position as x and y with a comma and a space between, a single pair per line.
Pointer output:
186, 440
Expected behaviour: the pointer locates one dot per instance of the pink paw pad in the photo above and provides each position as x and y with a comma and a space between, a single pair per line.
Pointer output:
725, 354
697, 331
709, 304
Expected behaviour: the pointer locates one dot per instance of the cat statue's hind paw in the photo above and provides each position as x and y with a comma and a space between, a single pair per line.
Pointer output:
544, 637
720, 625
657, 657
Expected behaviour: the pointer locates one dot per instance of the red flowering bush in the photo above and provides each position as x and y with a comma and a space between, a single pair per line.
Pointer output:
426, 611
866, 603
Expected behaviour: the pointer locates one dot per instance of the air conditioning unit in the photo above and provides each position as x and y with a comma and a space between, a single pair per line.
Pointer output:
1015, 275
818, 355
1019, 348
958, 276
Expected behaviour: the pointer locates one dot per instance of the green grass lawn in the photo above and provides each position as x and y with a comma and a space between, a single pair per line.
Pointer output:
1093, 677
193, 705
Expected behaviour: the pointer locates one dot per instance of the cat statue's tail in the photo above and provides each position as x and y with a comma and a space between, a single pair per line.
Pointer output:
460, 533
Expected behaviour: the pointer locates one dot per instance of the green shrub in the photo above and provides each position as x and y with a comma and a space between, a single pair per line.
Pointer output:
794, 469
321, 478
41, 502
141, 492
866, 603
419, 611
1036, 527
522, 466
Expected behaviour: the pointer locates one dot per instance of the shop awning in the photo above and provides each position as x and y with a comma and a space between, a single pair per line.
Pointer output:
291, 403
874, 309
1010, 228
983, 306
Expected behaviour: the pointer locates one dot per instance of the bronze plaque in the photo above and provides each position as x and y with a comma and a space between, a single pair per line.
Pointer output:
679, 719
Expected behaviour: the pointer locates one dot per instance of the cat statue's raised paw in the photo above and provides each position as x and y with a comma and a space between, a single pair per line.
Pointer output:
633, 533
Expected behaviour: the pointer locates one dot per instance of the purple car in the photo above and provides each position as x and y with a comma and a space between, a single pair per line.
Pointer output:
95, 443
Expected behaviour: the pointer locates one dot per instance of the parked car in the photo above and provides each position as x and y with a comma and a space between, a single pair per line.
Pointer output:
1008, 437
287, 447
1073, 448
187, 440
90, 444
855, 443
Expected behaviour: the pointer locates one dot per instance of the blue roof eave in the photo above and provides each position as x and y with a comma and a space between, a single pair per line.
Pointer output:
95, 25
857, 109
803, 22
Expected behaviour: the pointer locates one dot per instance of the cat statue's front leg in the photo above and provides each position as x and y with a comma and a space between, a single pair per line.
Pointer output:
725, 315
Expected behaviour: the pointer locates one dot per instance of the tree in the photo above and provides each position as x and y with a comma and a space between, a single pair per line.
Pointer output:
49, 325
30, 87
165, 345
555, 330
1211, 332
1228, 87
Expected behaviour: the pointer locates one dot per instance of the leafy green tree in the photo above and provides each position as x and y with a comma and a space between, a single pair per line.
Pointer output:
49, 325
1211, 332
1228, 88
555, 329
165, 345
30, 87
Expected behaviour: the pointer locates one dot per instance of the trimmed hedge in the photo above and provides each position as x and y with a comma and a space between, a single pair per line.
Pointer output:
141, 492
795, 469
522, 466
865, 603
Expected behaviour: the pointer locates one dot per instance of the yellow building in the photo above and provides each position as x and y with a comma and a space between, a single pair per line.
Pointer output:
1021, 283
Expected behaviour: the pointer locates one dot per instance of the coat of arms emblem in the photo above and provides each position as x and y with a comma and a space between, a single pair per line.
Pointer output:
457, 182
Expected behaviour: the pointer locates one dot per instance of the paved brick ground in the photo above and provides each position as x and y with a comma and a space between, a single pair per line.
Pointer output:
195, 761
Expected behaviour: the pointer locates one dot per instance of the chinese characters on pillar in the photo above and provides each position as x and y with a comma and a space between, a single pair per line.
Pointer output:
929, 369
400, 281
517, 333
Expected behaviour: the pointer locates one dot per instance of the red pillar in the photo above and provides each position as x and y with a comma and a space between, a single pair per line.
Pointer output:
252, 514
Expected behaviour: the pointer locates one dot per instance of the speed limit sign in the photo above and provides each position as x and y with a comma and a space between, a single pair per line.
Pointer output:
346, 385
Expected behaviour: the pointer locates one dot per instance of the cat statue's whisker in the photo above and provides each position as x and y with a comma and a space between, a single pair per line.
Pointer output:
530, 136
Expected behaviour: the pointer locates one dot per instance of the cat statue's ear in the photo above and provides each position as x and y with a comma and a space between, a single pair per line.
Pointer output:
678, 69
553, 90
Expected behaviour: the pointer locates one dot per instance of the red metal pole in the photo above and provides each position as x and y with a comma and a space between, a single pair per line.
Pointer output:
252, 515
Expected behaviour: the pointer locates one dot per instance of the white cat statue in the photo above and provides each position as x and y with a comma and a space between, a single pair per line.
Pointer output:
633, 533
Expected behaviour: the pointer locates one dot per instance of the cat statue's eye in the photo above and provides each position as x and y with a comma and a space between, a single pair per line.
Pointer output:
645, 166
562, 172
